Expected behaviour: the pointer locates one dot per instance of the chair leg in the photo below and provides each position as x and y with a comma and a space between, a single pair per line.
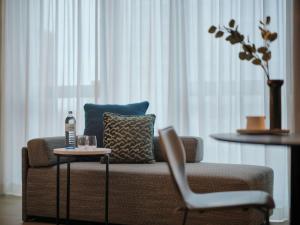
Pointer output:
267, 218
185, 214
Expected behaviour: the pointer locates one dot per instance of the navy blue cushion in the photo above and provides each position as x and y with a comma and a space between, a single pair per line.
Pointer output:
94, 116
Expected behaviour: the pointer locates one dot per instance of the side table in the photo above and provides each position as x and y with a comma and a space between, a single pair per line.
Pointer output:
102, 152
290, 140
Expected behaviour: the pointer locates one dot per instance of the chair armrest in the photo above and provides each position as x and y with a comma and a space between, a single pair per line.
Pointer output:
40, 151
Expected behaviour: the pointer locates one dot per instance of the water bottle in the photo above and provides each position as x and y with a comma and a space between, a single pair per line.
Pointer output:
70, 131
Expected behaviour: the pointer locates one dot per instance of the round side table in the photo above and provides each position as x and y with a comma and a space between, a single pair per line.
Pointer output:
290, 140
102, 152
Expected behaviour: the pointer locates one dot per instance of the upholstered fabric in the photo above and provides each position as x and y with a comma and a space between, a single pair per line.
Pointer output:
129, 137
94, 116
40, 150
143, 193
193, 149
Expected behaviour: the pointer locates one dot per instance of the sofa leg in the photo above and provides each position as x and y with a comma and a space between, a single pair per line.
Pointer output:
185, 214
267, 218
25, 218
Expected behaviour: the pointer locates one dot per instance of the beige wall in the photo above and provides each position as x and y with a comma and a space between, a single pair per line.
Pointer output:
296, 79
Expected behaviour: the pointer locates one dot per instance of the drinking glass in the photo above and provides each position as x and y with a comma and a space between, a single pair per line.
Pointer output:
92, 142
82, 141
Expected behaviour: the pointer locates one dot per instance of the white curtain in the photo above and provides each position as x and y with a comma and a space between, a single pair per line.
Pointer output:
60, 55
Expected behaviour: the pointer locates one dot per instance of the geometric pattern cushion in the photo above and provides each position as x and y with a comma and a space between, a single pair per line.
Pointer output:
129, 137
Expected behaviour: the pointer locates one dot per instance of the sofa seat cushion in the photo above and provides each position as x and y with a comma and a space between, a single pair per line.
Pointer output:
143, 193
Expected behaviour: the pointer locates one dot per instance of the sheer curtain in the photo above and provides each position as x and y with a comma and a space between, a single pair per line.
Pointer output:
60, 55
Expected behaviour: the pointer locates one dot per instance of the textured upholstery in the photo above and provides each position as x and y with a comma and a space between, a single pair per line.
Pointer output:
40, 150
193, 148
25, 166
130, 138
142, 194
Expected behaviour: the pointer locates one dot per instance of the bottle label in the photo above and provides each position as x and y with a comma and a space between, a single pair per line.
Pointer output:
70, 127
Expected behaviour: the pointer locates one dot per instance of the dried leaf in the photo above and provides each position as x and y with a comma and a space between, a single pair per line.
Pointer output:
266, 35
256, 62
249, 48
229, 37
273, 37
266, 56
212, 29
242, 55
249, 57
231, 23
236, 37
241, 38
262, 49
219, 34
232, 39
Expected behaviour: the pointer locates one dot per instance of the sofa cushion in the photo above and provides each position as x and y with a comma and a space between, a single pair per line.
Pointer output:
144, 193
129, 137
94, 116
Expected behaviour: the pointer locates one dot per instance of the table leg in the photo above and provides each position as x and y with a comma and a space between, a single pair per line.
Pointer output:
106, 189
68, 194
295, 185
57, 189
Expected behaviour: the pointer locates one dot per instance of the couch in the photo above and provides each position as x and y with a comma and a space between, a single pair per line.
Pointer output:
140, 194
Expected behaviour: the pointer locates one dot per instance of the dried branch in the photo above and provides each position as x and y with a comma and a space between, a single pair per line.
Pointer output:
258, 56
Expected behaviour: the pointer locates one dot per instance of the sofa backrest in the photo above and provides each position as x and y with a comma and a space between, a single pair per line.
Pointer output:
40, 150
193, 147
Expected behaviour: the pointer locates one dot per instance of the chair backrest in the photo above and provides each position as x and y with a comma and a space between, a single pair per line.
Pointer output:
174, 152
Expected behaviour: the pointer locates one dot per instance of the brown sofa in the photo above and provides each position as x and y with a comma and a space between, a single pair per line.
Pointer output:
140, 194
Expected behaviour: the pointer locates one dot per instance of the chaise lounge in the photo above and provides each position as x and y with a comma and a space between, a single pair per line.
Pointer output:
139, 194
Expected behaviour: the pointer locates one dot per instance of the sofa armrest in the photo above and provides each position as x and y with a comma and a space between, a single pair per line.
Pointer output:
193, 148
40, 151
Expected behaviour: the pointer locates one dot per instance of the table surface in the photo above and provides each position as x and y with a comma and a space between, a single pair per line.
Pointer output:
83, 152
287, 139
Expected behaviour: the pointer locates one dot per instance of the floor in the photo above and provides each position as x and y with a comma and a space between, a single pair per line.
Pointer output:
10, 212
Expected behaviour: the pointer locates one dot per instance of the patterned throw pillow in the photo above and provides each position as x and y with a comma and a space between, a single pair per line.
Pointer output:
129, 137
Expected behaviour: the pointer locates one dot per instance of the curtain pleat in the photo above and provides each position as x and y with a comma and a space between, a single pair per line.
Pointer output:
60, 55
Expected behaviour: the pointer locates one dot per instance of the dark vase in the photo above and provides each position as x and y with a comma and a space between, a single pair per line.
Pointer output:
275, 103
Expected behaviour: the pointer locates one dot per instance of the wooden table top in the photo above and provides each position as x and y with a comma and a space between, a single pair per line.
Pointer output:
82, 152
287, 139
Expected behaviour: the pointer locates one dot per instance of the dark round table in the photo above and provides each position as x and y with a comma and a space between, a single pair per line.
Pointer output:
290, 140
